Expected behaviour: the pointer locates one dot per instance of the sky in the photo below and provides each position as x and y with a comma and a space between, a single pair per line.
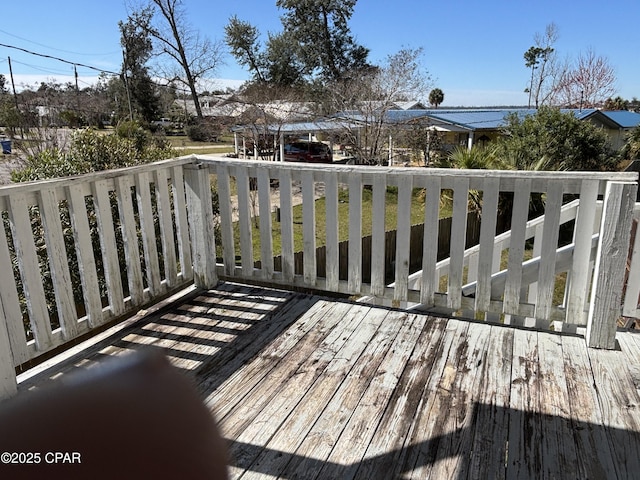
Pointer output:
473, 50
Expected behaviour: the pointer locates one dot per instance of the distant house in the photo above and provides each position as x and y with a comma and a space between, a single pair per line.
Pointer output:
618, 124
457, 127
477, 126
235, 109
412, 105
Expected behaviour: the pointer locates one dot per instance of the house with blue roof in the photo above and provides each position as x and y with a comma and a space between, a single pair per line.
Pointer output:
617, 123
480, 126
456, 127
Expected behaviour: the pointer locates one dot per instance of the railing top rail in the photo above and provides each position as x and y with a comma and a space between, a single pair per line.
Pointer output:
421, 171
27, 187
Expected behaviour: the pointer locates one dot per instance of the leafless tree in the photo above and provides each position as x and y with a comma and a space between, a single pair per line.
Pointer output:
372, 93
588, 83
546, 67
192, 56
262, 109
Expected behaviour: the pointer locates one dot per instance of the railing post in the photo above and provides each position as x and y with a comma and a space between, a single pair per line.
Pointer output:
608, 276
8, 384
200, 213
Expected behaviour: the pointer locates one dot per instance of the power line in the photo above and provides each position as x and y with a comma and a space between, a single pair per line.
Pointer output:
53, 48
41, 69
75, 64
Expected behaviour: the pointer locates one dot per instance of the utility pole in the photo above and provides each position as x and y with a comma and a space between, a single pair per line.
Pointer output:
77, 95
15, 96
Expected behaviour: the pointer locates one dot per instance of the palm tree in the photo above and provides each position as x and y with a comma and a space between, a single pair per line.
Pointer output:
436, 97
491, 158
476, 157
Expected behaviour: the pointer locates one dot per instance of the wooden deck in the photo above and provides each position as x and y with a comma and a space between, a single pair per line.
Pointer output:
308, 387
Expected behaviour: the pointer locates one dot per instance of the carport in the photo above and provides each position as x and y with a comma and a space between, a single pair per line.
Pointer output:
280, 131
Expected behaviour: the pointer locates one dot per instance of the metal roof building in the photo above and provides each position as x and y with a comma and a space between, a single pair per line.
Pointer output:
469, 121
624, 118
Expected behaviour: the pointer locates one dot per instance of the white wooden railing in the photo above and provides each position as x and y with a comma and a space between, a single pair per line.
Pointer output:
499, 272
140, 233
631, 305
467, 290
64, 274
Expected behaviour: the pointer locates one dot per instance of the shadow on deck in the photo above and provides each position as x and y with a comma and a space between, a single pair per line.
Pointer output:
309, 387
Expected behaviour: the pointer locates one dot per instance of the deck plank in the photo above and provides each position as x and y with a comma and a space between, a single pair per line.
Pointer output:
349, 449
594, 456
313, 428
209, 325
630, 346
259, 372
259, 415
619, 404
305, 386
232, 359
426, 433
558, 447
458, 423
524, 457
490, 432
384, 451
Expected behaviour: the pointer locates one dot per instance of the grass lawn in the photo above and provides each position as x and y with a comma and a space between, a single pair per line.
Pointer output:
216, 150
417, 217
187, 146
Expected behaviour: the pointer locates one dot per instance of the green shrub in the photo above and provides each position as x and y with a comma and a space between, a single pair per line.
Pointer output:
555, 140
50, 163
203, 131
91, 151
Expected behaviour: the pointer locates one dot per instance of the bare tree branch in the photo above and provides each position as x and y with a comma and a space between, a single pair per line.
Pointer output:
589, 83
193, 57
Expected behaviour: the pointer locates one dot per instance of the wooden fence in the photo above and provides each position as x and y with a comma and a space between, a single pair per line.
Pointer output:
416, 244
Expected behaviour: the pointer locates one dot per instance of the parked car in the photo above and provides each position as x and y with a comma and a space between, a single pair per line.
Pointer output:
163, 122
312, 152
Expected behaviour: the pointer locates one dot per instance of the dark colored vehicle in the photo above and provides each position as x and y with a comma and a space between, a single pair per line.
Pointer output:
311, 152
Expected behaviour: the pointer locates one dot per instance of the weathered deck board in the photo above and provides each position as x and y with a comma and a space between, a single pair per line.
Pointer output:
554, 408
594, 456
420, 444
458, 424
342, 380
266, 371
490, 432
330, 362
310, 387
367, 395
384, 450
524, 454
619, 406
